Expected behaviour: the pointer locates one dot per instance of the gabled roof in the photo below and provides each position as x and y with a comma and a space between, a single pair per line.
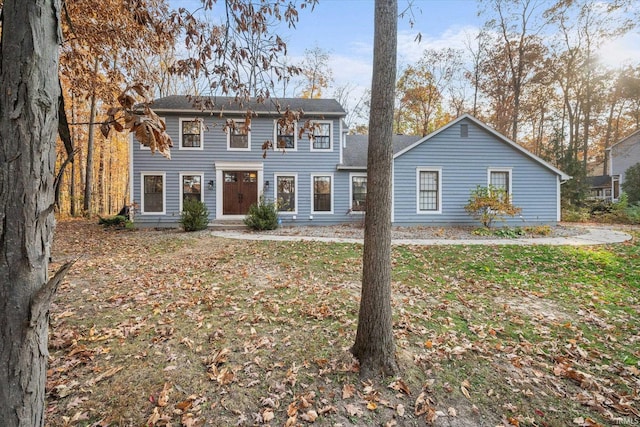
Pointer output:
226, 104
354, 154
626, 138
495, 133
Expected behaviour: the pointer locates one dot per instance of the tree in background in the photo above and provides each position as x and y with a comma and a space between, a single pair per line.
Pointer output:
316, 73
631, 184
421, 91
374, 346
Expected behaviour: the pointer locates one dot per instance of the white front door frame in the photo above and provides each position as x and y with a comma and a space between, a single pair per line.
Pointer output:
220, 167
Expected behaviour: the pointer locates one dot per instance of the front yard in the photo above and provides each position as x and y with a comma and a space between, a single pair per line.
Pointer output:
164, 327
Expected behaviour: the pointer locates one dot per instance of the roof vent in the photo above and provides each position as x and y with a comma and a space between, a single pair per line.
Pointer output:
464, 131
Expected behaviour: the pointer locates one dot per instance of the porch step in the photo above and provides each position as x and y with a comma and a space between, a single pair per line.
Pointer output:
221, 225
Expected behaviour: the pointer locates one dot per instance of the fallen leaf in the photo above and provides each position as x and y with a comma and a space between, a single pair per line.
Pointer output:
348, 390
163, 398
400, 385
309, 416
372, 406
452, 412
267, 415
400, 410
464, 388
354, 410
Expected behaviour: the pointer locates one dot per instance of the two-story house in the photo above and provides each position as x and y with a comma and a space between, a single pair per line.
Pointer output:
319, 177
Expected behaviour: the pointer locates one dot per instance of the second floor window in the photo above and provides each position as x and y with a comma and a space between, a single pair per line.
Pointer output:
321, 138
238, 137
191, 134
285, 136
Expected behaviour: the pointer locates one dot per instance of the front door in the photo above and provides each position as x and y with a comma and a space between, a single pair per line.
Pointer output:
240, 191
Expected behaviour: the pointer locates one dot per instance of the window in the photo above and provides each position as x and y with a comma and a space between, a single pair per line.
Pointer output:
322, 193
358, 193
238, 137
191, 135
429, 191
191, 187
500, 179
321, 136
152, 193
286, 190
285, 136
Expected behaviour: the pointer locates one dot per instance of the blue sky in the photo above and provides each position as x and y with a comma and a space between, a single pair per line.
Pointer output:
344, 28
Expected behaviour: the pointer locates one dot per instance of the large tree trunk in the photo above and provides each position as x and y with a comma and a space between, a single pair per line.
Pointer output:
374, 346
28, 127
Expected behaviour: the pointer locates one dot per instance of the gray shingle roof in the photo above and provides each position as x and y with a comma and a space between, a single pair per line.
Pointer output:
355, 151
183, 103
600, 181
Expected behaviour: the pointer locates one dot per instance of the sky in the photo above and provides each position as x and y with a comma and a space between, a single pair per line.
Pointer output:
344, 29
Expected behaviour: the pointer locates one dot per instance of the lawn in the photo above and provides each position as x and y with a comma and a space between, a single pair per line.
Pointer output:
170, 328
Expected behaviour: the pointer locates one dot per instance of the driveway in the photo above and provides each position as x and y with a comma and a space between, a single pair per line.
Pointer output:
591, 236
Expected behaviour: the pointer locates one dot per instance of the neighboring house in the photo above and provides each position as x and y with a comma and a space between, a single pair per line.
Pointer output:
622, 155
321, 179
600, 187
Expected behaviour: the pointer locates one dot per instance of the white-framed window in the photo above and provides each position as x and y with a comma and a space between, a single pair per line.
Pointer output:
286, 192
153, 191
191, 187
322, 193
321, 136
358, 192
238, 137
429, 190
191, 134
285, 137
500, 178
144, 147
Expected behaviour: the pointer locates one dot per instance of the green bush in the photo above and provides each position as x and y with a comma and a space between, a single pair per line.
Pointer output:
262, 216
631, 184
118, 221
194, 215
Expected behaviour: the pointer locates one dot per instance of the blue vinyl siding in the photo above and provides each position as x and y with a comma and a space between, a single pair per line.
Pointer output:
302, 162
464, 164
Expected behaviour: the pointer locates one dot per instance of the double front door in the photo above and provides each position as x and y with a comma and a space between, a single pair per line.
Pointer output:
239, 192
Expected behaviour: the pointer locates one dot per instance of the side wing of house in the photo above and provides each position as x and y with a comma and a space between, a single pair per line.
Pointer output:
432, 180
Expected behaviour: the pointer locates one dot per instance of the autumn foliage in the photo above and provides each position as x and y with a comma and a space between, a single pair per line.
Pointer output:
488, 204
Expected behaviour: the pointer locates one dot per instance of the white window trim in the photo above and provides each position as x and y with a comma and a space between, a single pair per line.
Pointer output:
428, 169
164, 192
351, 175
238, 123
190, 119
275, 137
508, 170
275, 192
144, 147
326, 150
202, 185
314, 212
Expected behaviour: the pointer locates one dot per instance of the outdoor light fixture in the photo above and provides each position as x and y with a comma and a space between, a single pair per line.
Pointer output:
211, 185
266, 186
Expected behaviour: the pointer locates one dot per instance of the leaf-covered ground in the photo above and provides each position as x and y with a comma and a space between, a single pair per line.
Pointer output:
168, 328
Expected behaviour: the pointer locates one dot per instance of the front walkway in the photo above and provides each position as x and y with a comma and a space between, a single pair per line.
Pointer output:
592, 236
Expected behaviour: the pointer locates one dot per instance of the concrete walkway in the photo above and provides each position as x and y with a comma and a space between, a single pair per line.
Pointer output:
592, 236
